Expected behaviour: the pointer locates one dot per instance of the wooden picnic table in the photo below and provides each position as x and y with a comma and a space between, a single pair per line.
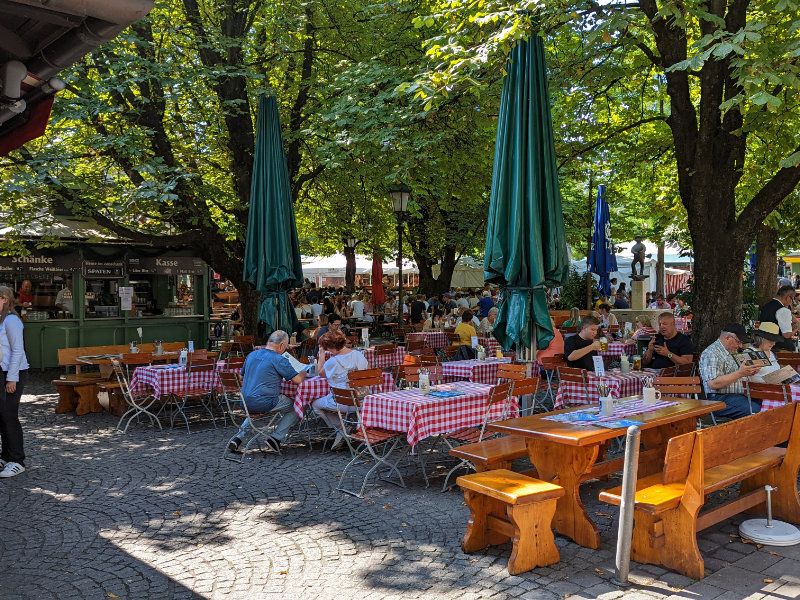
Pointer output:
568, 454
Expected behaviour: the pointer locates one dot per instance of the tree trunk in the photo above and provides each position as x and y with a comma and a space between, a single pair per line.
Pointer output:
717, 298
660, 269
766, 263
250, 300
590, 221
350, 269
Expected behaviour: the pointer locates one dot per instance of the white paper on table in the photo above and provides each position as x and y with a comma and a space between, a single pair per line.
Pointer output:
474, 340
365, 333
599, 365
190, 346
628, 329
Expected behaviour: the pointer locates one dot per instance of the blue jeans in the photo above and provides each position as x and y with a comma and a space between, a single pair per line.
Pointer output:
738, 405
282, 404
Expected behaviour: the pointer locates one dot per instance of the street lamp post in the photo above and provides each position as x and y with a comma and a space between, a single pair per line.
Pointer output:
400, 195
350, 270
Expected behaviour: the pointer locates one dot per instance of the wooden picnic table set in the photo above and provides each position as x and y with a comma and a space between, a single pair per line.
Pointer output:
679, 467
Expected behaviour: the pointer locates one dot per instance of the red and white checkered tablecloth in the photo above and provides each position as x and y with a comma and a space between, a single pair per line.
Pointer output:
617, 349
477, 371
794, 395
421, 416
682, 324
380, 362
312, 388
629, 384
432, 339
438, 339
170, 379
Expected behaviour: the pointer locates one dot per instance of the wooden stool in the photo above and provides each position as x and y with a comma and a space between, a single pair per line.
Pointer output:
506, 505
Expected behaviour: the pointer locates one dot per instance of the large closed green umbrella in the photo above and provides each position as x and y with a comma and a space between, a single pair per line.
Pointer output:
526, 250
272, 253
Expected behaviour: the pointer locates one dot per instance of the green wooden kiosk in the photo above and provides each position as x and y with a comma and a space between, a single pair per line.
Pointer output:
91, 294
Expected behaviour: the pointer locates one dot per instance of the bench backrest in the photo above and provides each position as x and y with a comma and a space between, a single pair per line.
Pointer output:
68, 357
736, 439
725, 443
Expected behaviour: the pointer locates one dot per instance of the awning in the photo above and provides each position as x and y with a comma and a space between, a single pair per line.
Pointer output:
32, 128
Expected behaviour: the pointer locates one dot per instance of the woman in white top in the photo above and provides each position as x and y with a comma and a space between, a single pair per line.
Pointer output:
763, 340
14, 366
607, 318
487, 325
336, 369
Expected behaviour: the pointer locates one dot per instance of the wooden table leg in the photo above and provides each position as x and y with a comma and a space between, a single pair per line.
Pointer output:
67, 399
87, 400
562, 464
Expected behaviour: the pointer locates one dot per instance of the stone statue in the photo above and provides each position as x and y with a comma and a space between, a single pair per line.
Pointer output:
638, 250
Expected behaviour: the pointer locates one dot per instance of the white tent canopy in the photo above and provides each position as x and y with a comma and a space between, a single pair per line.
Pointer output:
623, 272
467, 274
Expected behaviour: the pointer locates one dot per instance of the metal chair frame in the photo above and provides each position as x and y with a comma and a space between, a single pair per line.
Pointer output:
368, 443
499, 393
137, 405
190, 395
231, 383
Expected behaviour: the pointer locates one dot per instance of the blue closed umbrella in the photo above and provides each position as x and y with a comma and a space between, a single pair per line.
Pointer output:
602, 260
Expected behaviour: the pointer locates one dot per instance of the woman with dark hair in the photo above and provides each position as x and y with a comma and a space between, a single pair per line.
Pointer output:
335, 369
435, 322
14, 366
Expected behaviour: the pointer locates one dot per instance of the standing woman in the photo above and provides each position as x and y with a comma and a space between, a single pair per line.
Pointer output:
14, 373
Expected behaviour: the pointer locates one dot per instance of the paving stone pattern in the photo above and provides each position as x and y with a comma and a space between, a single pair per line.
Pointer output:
157, 515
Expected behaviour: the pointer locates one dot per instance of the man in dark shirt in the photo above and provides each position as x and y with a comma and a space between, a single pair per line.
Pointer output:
581, 348
669, 347
620, 301
418, 310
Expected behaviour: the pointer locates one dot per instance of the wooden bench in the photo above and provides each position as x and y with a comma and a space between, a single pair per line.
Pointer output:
510, 506
78, 391
667, 504
494, 453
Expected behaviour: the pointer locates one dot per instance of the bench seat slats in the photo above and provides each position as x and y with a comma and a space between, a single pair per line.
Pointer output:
510, 487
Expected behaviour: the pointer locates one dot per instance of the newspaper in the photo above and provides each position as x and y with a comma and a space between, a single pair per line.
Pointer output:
296, 364
783, 376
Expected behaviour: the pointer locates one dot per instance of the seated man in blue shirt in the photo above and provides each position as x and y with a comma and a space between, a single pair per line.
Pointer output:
263, 372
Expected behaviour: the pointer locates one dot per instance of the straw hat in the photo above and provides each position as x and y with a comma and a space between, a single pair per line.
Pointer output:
769, 331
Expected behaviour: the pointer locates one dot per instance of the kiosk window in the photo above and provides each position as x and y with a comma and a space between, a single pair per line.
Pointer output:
102, 298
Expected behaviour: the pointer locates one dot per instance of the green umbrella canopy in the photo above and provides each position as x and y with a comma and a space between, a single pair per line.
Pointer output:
526, 249
272, 252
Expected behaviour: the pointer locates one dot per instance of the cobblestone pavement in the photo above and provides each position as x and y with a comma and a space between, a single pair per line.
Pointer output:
156, 515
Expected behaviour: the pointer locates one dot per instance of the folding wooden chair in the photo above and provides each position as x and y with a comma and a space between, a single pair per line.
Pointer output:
524, 388
258, 424
428, 359
511, 371
369, 444
767, 391
453, 338
134, 359
137, 404
668, 372
574, 376
684, 387
685, 370
193, 395
467, 435
411, 373
549, 366
414, 346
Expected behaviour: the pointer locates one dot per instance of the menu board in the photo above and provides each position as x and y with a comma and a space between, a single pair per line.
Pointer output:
166, 265
103, 269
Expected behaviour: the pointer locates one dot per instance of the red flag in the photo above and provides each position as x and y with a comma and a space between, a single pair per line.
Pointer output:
30, 130
378, 294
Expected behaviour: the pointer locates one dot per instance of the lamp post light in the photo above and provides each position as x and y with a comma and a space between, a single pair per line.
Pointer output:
400, 195
350, 243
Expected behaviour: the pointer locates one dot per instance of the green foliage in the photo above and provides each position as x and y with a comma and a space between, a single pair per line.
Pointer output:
573, 292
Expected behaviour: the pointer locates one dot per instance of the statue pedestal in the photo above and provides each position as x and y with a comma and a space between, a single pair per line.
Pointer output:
638, 295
